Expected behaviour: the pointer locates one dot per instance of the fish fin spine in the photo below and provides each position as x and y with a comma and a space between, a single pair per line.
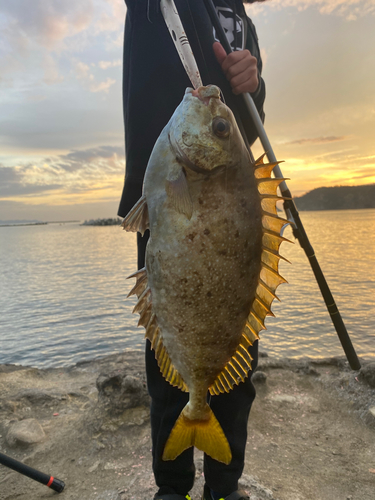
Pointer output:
137, 219
236, 369
269, 277
206, 435
148, 319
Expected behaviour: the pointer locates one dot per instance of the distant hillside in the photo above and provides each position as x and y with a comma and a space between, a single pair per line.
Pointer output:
338, 198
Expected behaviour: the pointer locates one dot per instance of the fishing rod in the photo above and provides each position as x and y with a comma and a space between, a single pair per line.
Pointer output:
181, 42
50, 481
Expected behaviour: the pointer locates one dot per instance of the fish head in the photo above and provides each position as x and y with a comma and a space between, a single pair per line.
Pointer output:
203, 134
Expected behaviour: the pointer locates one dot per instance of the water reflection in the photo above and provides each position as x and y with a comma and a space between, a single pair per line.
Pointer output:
63, 291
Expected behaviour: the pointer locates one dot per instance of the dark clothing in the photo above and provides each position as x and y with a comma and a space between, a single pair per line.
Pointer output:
155, 80
153, 86
232, 411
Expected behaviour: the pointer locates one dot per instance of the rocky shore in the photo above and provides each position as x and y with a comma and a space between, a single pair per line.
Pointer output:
311, 431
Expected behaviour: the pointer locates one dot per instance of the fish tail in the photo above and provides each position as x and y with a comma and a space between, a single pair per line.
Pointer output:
205, 434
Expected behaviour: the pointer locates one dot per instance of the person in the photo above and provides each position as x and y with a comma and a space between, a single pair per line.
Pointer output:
154, 82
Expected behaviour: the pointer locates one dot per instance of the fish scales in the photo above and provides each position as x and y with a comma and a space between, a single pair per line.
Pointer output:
211, 260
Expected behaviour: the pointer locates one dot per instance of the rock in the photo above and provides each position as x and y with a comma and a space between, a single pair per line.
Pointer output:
25, 432
257, 490
199, 465
367, 374
38, 397
94, 467
339, 361
121, 391
131, 416
370, 416
284, 398
306, 369
259, 377
8, 368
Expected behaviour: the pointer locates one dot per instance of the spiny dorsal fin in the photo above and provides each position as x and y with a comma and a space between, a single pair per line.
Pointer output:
269, 202
148, 319
269, 185
137, 218
237, 368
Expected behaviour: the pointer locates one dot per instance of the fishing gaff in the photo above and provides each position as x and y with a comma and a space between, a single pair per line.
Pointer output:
289, 205
53, 483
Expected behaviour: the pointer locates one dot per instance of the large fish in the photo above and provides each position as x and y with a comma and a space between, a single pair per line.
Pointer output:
211, 260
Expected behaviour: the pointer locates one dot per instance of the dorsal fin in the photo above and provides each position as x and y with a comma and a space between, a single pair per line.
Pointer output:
137, 218
269, 279
148, 319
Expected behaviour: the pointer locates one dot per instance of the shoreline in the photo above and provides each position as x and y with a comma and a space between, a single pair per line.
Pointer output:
273, 360
311, 429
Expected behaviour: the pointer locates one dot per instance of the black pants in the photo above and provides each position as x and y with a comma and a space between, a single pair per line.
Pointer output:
231, 409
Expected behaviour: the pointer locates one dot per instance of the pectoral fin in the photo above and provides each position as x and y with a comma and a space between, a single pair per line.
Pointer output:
178, 191
137, 218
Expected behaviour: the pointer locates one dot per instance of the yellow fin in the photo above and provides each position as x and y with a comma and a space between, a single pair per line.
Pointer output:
237, 368
137, 218
148, 319
140, 285
206, 435
269, 185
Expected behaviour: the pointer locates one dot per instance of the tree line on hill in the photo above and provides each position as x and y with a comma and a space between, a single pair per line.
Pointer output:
337, 198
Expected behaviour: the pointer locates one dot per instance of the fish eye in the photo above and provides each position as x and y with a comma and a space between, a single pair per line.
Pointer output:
221, 127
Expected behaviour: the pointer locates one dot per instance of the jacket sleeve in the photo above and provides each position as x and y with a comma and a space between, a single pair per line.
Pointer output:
253, 44
260, 94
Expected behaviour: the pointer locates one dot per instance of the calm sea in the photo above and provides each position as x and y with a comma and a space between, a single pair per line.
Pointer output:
63, 291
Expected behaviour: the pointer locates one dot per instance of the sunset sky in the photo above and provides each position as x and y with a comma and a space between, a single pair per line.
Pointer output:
61, 129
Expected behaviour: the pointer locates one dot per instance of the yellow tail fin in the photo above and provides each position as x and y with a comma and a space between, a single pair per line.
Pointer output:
206, 435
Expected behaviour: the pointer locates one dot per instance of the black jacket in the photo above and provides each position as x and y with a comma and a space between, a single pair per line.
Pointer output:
154, 79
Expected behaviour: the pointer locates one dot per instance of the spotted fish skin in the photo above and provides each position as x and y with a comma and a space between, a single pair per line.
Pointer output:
202, 298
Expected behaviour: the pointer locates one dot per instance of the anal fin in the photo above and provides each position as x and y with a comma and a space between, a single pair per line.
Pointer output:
147, 318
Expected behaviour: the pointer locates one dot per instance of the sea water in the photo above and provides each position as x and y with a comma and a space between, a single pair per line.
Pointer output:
63, 291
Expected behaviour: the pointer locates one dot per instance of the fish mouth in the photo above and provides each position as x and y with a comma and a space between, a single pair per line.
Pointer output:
204, 94
183, 158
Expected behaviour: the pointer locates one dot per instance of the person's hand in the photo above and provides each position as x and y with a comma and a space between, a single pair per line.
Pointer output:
239, 67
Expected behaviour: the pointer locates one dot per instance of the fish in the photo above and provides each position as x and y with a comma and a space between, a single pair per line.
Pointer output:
212, 260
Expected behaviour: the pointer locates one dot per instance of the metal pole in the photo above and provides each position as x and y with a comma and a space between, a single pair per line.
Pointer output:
51, 482
290, 207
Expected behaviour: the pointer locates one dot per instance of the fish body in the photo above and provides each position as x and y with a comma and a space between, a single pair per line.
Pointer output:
205, 291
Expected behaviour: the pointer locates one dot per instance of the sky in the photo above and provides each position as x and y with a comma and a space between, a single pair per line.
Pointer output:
61, 126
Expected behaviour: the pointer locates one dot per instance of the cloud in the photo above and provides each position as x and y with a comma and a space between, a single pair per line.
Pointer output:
51, 71
350, 9
109, 64
318, 140
48, 21
36, 36
82, 72
13, 182
102, 86
78, 171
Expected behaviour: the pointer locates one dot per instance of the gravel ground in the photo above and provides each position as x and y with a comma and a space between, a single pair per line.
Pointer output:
311, 431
